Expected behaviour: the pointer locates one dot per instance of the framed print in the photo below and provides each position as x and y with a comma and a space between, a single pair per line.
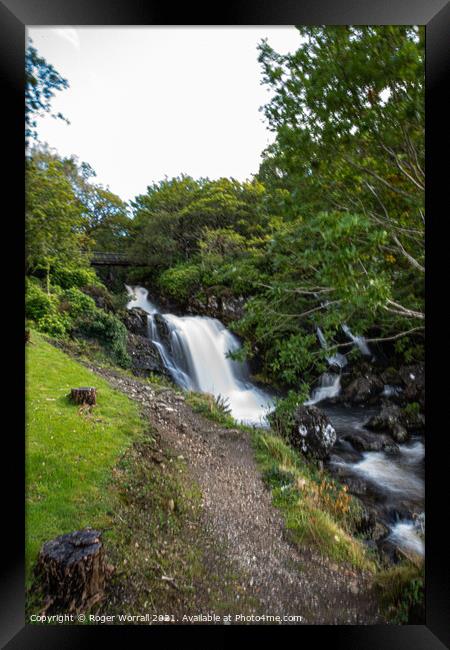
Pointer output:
221, 255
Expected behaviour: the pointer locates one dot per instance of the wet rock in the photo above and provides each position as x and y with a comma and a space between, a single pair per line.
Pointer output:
414, 421
390, 420
367, 441
413, 377
135, 320
364, 389
312, 433
145, 357
163, 329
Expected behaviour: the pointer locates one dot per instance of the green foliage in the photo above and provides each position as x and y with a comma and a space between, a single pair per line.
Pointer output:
77, 303
214, 408
68, 277
401, 590
180, 281
109, 330
411, 409
37, 302
41, 82
54, 218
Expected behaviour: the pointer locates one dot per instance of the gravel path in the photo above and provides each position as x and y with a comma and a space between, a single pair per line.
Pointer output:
237, 511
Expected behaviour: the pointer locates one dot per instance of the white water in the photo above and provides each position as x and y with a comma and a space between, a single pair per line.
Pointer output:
337, 359
329, 387
394, 475
139, 298
359, 341
405, 535
196, 357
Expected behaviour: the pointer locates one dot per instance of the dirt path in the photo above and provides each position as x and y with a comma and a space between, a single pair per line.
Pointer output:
237, 511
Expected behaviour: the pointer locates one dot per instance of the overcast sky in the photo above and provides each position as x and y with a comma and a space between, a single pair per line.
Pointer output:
146, 102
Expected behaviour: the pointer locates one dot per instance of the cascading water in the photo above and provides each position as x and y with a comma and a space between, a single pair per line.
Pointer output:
337, 359
396, 481
359, 341
329, 387
194, 350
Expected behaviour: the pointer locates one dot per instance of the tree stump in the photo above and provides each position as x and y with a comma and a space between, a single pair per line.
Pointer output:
73, 570
85, 395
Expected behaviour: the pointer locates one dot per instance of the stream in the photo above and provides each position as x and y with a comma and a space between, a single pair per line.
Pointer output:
194, 352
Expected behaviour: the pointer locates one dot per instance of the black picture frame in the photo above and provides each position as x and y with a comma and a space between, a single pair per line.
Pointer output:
15, 15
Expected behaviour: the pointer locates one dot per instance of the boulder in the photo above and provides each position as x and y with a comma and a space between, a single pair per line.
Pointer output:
135, 320
363, 389
390, 420
312, 432
413, 377
145, 357
366, 441
163, 330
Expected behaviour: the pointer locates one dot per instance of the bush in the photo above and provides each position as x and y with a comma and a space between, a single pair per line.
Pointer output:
56, 325
68, 278
108, 329
77, 303
38, 303
180, 281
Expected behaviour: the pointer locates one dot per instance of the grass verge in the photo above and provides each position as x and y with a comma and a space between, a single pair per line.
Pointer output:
69, 452
401, 592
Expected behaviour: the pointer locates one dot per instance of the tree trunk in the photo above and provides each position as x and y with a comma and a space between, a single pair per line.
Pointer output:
85, 395
73, 570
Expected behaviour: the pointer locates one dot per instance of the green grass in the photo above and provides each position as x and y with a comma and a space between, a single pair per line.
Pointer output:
69, 453
317, 510
211, 408
401, 591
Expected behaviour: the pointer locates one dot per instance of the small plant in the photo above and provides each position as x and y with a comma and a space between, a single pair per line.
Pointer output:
413, 408
401, 591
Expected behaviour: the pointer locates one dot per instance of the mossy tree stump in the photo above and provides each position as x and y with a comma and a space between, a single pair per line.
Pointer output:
73, 571
84, 395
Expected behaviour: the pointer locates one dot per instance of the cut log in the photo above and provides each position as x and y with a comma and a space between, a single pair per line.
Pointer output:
72, 569
85, 395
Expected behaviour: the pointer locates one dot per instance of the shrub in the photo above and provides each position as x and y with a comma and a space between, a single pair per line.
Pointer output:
67, 278
108, 329
38, 303
54, 324
181, 281
77, 303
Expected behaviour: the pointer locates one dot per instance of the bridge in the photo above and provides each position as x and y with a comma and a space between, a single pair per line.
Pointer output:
100, 258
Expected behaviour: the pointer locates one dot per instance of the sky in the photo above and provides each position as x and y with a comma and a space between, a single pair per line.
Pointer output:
150, 102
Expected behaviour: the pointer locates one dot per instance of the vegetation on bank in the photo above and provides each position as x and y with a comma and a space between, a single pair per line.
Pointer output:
103, 468
70, 451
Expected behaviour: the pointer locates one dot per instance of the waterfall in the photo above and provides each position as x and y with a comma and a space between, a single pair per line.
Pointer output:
194, 350
337, 359
329, 387
359, 341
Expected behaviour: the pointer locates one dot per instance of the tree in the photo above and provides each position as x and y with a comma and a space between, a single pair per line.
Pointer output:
346, 175
54, 219
41, 82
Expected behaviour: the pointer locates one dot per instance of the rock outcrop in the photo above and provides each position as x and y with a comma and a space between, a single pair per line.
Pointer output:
312, 433
135, 320
145, 357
